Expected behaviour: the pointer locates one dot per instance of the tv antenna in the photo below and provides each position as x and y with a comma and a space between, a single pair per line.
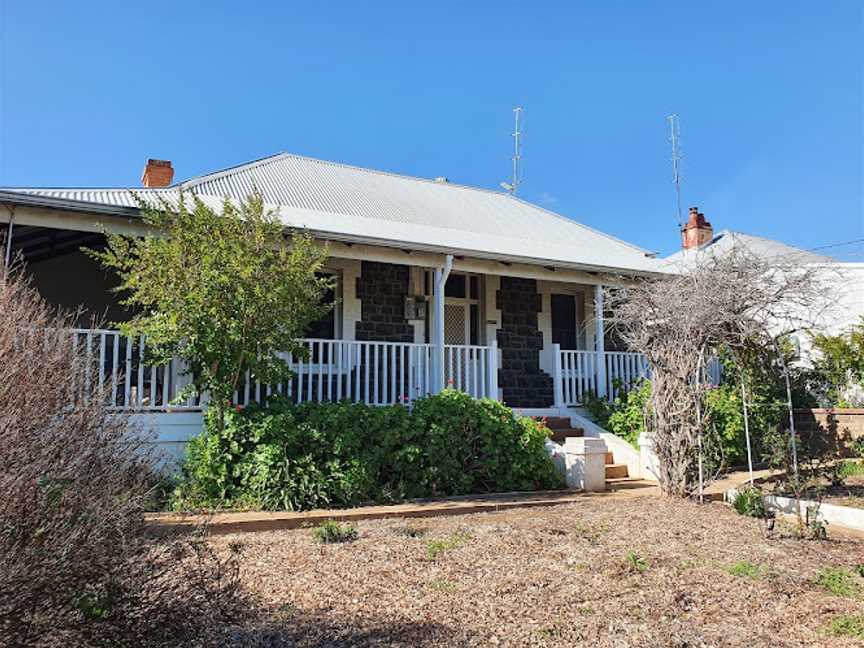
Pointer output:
511, 186
674, 137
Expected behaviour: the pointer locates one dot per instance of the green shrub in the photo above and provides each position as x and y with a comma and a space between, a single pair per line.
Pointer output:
848, 625
636, 563
331, 532
839, 582
745, 569
625, 415
749, 501
848, 469
319, 455
436, 547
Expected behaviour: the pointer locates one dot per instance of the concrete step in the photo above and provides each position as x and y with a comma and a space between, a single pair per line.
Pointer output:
628, 483
616, 471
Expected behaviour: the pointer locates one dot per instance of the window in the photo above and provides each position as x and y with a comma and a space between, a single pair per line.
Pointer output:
325, 328
455, 286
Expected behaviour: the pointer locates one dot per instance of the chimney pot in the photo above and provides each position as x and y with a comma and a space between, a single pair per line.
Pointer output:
697, 231
157, 173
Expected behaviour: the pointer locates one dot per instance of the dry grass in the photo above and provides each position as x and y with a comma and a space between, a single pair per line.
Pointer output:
641, 572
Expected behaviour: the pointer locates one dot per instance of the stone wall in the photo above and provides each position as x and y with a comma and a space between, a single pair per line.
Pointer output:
382, 288
522, 382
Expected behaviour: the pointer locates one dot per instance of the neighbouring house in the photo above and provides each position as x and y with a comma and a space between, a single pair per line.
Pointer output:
437, 283
845, 280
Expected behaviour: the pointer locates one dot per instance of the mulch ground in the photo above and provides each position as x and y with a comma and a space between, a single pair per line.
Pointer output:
547, 577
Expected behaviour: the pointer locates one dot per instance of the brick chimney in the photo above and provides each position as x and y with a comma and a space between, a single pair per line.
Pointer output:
697, 231
157, 173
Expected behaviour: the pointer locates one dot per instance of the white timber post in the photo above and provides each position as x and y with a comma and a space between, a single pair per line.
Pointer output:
441, 275
556, 375
599, 341
493, 370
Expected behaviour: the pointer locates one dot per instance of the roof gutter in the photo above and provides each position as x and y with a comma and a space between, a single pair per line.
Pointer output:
80, 206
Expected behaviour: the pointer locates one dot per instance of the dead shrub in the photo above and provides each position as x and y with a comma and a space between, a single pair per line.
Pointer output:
76, 565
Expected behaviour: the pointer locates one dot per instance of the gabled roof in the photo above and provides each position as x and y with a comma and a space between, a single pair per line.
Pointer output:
350, 203
727, 240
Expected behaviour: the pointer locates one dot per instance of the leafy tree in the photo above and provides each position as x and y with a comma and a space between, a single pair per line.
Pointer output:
220, 290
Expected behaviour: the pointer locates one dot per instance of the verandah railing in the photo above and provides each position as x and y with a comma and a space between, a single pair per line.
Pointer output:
376, 373
578, 373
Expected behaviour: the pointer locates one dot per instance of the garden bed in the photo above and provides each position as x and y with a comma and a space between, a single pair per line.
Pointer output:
639, 572
850, 493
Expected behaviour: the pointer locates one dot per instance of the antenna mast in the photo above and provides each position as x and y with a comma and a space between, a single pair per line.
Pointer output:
674, 137
517, 153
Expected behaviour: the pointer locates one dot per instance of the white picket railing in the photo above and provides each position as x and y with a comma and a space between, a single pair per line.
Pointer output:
576, 374
472, 369
376, 373
116, 363
623, 370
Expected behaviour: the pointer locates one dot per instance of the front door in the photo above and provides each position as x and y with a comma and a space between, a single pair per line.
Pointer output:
461, 327
564, 323
462, 309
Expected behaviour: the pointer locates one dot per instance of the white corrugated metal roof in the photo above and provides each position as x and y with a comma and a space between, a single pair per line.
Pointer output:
728, 240
374, 206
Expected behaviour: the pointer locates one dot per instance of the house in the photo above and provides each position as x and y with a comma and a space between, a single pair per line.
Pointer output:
845, 280
437, 284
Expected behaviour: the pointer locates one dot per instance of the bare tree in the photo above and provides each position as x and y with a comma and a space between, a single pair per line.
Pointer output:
738, 302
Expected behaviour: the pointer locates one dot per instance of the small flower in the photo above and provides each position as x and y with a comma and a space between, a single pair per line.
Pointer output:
239, 408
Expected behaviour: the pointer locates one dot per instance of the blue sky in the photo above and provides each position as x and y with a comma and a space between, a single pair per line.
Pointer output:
770, 95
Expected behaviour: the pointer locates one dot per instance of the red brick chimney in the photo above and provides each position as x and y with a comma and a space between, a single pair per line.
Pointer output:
157, 173
697, 231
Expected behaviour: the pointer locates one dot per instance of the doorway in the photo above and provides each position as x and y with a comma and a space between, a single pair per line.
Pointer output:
462, 309
565, 330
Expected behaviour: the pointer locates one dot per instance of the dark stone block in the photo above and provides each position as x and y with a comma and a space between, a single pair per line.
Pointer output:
522, 382
382, 288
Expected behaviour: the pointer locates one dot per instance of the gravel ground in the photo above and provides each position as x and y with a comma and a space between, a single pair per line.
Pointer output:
547, 577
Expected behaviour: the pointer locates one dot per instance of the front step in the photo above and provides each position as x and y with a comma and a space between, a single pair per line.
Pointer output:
628, 483
561, 429
616, 471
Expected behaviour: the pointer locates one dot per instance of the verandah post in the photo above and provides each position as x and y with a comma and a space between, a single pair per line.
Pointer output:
493, 370
556, 375
599, 341
441, 275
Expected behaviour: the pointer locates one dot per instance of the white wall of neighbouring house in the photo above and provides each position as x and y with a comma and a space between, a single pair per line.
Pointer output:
839, 309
